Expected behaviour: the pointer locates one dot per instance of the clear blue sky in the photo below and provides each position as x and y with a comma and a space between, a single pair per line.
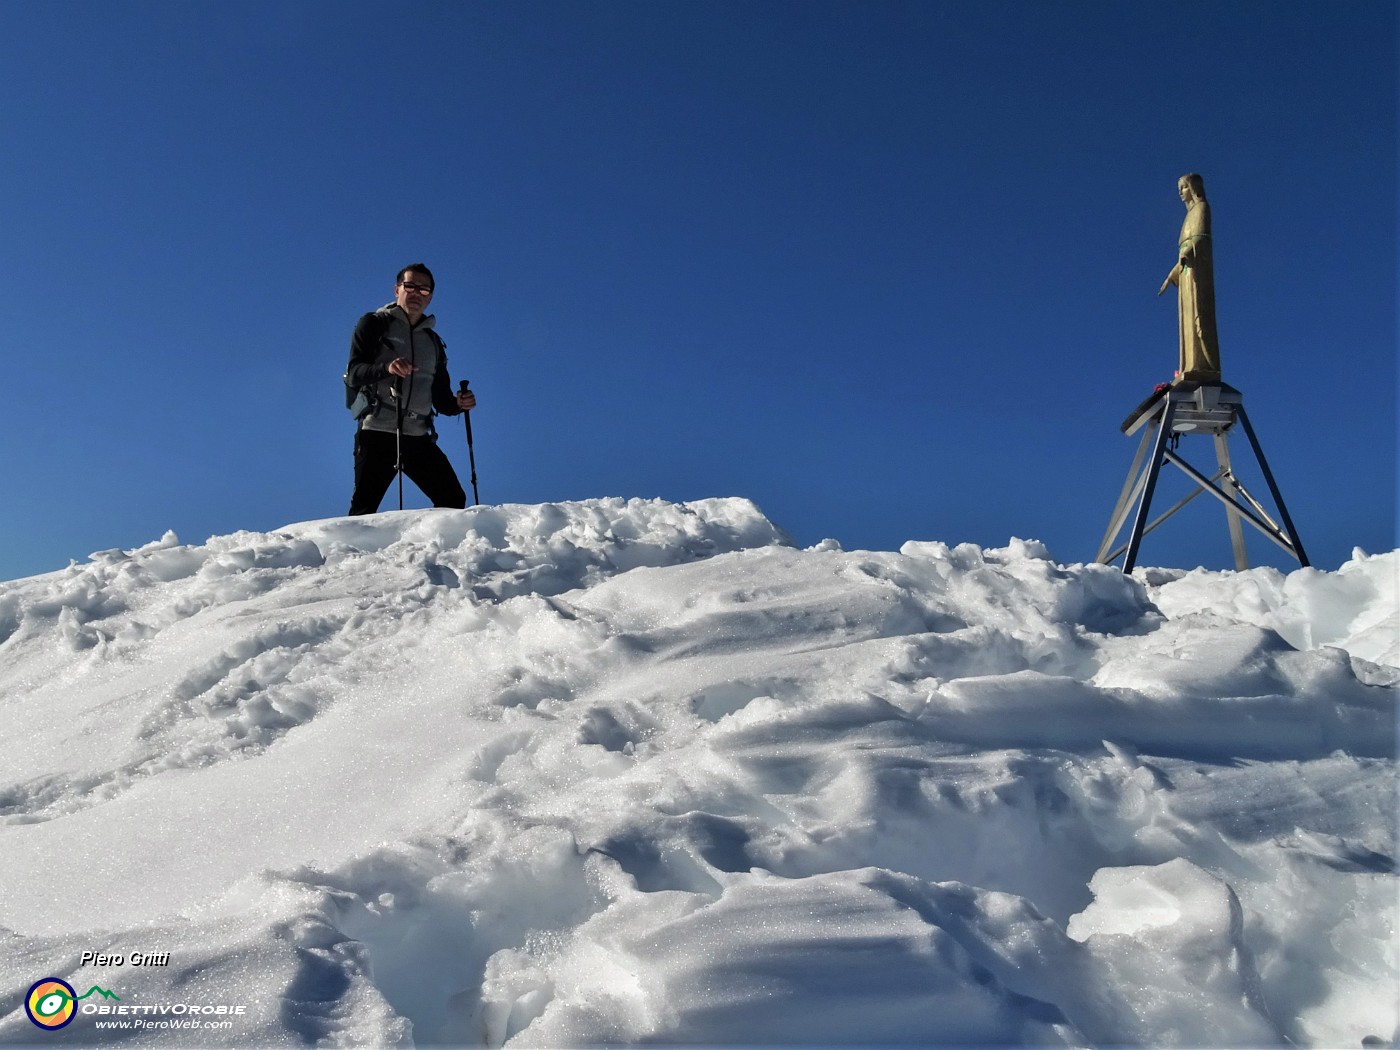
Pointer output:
889, 269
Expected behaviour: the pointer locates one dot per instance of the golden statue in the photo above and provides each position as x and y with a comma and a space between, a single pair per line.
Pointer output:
1194, 277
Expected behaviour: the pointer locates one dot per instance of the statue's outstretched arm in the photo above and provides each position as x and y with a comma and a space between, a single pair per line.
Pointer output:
1172, 279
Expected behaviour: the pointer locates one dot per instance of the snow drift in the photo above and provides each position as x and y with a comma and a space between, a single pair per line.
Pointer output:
644, 773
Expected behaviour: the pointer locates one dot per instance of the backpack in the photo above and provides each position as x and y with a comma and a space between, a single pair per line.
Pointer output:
362, 400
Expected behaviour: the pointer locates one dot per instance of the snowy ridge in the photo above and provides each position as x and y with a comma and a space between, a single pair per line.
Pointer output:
641, 772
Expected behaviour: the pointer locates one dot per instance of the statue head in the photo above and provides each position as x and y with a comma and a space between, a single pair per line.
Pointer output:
1192, 183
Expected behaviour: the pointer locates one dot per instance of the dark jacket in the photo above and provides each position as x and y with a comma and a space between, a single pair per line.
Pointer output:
379, 338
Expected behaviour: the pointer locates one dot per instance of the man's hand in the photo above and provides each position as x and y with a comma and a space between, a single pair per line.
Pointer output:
401, 366
466, 400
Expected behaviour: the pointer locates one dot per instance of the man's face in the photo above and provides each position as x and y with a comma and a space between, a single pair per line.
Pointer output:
413, 292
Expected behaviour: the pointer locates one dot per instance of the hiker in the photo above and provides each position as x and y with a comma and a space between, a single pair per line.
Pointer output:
398, 366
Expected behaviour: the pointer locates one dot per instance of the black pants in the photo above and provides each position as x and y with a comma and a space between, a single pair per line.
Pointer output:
425, 464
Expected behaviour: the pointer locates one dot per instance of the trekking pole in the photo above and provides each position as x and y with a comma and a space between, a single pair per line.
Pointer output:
398, 435
462, 388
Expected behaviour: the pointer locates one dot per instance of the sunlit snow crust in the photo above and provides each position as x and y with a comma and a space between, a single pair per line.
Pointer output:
644, 773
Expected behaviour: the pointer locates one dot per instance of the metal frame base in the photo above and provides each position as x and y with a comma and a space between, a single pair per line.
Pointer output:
1184, 409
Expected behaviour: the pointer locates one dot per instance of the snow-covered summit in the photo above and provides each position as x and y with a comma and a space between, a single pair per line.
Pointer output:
640, 772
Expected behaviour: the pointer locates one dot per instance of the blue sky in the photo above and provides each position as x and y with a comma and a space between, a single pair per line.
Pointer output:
889, 269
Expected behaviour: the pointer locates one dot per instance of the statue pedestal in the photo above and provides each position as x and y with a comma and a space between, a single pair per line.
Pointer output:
1183, 410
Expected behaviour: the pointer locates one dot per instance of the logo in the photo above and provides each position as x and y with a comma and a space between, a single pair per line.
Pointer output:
52, 1002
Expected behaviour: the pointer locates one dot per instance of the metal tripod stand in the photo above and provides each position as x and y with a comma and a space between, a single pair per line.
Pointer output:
1186, 409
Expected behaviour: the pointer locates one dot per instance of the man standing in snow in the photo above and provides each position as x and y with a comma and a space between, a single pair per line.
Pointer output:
399, 361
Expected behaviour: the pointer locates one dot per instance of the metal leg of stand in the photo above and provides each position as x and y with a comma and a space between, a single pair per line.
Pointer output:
1232, 516
1131, 488
1154, 469
1273, 489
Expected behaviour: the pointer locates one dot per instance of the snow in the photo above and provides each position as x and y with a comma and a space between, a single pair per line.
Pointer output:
637, 772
